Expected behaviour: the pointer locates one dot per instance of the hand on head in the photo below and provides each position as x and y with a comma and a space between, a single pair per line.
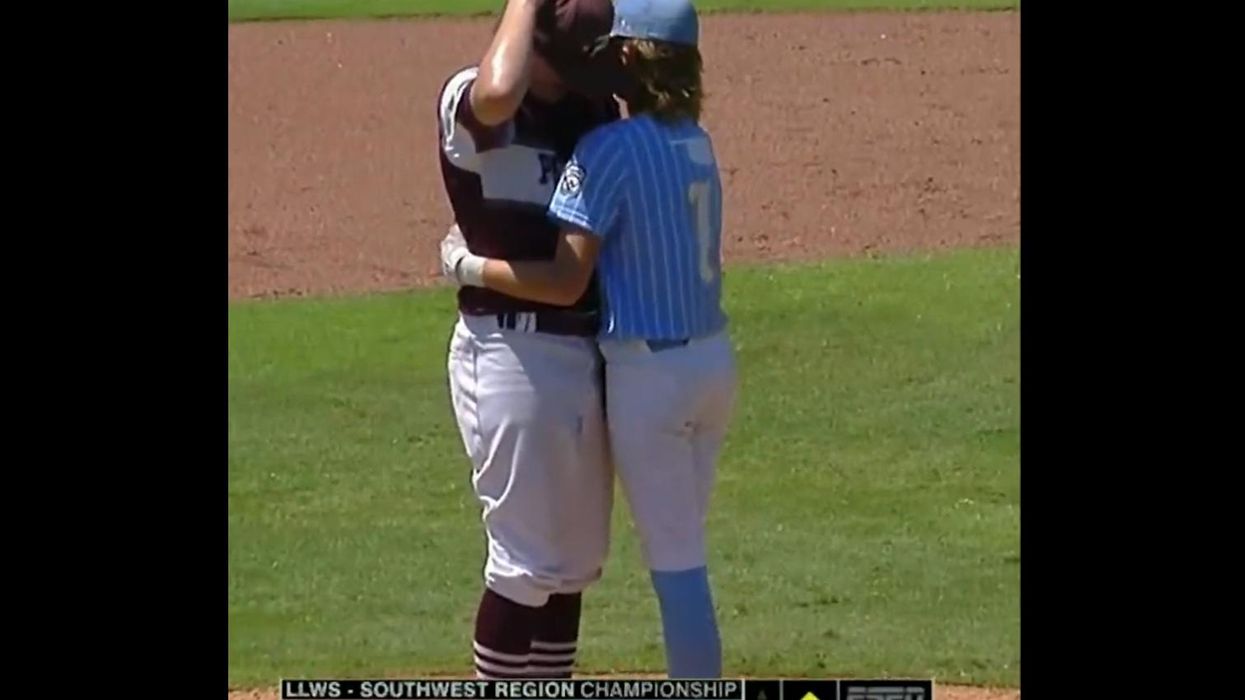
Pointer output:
573, 37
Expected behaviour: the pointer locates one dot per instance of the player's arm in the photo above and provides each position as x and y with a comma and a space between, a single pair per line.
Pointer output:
503, 78
561, 281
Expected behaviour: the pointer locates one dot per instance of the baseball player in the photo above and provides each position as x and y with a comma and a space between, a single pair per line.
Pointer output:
525, 376
641, 203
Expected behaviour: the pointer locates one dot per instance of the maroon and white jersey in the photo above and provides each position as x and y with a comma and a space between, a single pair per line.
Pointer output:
500, 179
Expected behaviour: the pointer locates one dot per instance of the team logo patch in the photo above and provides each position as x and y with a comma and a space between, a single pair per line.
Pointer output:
572, 179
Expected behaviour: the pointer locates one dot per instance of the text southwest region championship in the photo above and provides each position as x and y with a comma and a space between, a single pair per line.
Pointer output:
610, 689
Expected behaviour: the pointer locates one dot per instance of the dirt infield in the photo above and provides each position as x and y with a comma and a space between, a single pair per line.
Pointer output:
838, 134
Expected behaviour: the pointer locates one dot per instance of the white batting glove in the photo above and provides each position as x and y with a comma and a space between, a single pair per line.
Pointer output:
459, 264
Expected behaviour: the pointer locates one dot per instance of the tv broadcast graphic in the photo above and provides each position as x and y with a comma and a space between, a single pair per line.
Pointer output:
624, 349
611, 689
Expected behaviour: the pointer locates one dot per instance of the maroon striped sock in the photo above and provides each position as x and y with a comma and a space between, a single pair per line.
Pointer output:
556, 637
503, 638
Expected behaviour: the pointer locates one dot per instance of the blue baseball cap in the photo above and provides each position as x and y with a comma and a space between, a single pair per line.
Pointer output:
664, 20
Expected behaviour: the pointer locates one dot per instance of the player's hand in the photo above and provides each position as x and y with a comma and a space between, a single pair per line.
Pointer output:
453, 248
458, 263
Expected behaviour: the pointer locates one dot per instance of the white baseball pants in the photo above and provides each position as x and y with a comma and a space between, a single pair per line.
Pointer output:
668, 412
529, 409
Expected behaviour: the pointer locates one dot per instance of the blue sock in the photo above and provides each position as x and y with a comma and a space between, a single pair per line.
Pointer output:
693, 649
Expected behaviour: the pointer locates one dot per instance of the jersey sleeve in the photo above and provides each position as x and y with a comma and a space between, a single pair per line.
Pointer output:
590, 192
463, 135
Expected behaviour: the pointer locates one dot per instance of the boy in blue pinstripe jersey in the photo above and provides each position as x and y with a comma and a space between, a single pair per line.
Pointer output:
641, 203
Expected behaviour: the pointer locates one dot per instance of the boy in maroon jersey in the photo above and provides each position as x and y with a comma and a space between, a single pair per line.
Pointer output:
525, 376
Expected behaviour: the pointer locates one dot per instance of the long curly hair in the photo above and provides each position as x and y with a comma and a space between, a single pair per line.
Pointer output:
665, 79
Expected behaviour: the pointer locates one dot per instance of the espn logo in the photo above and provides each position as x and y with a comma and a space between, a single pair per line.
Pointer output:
887, 691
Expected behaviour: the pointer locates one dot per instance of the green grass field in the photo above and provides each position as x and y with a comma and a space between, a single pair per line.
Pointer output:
241, 10
866, 520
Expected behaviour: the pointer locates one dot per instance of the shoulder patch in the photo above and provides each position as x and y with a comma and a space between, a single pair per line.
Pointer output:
572, 179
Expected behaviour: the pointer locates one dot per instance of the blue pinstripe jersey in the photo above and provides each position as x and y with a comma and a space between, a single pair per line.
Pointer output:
652, 192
